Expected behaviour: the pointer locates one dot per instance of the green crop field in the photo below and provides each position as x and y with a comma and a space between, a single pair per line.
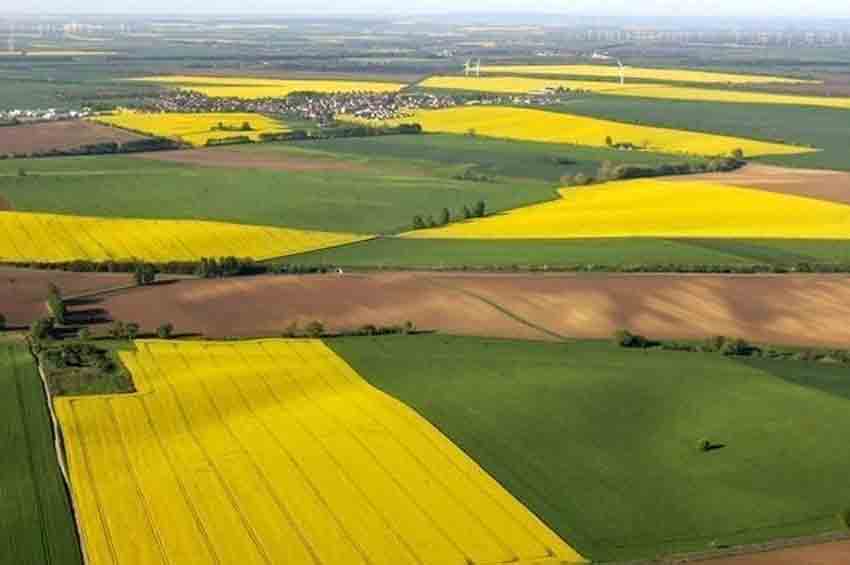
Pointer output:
371, 200
824, 128
36, 526
545, 161
567, 253
602, 442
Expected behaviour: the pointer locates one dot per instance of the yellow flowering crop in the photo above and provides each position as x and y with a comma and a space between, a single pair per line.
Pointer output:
253, 88
524, 85
556, 127
196, 129
642, 73
55, 238
655, 208
277, 452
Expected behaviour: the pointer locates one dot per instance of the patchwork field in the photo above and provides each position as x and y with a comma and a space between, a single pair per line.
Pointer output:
58, 136
576, 430
523, 85
642, 73
556, 127
254, 88
341, 196
57, 238
36, 525
653, 208
273, 451
789, 309
196, 128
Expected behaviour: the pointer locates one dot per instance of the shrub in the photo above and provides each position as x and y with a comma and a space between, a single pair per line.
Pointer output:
131, 330
704, 445
42, 328
2, 322
116, 330
291, 330
165, 330
625, 338
315, 329
844, 518
84, 334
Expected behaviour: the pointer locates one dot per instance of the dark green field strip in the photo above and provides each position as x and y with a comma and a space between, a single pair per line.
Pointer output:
370, 201
36, 525
824, 128
601, 442
569, 253
544, 161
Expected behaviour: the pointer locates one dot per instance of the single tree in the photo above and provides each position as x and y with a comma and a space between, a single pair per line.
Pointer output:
41, 328
315, 329
609, 141
467, 213
84, 334
131, 330
480, 209
144, 274
445, 217
2, 322
738, 154
418, 222
431, 222
116, 330
165, 330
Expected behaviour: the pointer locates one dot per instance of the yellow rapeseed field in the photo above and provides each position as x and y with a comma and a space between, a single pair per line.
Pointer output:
556, 127
524, 85
655, 208
26, 236
253, 88
642, 73
196, 129
277, 452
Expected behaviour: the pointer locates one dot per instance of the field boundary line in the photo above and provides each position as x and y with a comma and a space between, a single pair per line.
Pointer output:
59, 447
356, 383
418, 424
370, 454
496, 306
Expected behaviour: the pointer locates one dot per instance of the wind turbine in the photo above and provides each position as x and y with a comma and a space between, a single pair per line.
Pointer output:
11, 37
622, 72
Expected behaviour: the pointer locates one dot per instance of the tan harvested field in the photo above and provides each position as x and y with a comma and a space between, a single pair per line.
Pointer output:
805, 310
23, 291
266, 305
834, 553
28, 139
230, 158
833, 186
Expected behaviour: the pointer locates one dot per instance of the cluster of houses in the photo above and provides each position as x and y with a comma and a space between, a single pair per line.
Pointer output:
41, 115
322, 108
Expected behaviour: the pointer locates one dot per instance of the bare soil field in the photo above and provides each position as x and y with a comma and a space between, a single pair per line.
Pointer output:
230, 158
833, 186
23, 291
29, 139
834, 553
804, 310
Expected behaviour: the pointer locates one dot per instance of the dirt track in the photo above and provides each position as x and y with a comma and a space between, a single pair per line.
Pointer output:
833, 186
810, 310
835, 553
230, 158
65, 135
23, 291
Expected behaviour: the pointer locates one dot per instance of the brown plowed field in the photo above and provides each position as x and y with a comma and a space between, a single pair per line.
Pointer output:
806, 310
31, 139
835, 553
230, 158
23, 291
833, 186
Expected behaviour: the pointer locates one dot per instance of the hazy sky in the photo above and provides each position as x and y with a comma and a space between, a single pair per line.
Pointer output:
827, 8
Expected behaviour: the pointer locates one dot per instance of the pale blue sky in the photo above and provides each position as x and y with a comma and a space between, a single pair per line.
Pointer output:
826, 8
